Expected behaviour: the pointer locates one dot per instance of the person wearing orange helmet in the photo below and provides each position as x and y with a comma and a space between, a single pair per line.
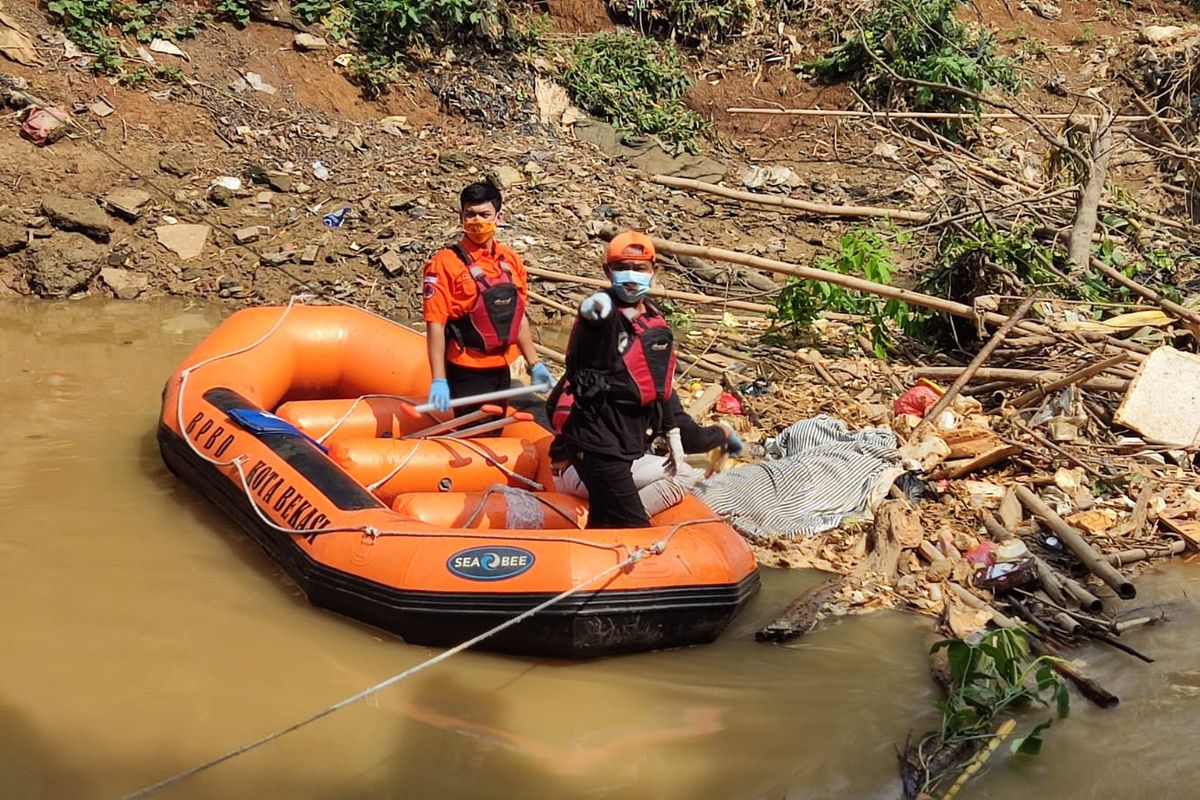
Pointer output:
475, 293
617, 394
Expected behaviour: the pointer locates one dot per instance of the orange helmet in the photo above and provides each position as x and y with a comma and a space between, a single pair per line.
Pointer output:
630, 246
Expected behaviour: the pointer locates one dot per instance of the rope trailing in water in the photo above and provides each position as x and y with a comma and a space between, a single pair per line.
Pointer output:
637, 555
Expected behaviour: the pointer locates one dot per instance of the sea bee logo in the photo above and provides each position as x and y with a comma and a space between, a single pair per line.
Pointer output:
490, 563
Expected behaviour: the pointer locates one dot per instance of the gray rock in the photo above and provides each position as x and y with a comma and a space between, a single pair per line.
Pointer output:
507, 177
127, 203
74, 214
306, 41
12, 238
177, 164
279, 181
125, 283
63, 264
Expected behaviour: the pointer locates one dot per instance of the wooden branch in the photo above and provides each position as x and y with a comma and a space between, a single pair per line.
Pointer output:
803, 614
1020, 376
1078, 376
836, 278
978, 361
1169, 306
821, 209
1098, 565
1079, 243
538, 297
931, 115
655, 291
1144, 553
1089, 688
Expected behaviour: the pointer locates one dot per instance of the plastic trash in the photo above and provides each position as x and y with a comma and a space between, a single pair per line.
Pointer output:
45, 126
335, 219
729, 404
229, 182
1005, 575
1012, 550
917, 400
320, 171
982, 554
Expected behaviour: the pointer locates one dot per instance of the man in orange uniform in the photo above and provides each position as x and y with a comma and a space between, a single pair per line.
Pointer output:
475, 294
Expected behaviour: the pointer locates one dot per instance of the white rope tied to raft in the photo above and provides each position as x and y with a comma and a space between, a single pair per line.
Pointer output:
634, 557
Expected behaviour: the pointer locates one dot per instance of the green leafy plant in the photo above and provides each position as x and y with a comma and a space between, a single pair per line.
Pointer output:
989, 680
861, 252
88, 23
189, 29
637, 84
311, 11
236, 11
692, 21
922, 40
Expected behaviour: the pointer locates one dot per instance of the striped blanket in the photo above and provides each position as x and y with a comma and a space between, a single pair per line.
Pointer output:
821, 473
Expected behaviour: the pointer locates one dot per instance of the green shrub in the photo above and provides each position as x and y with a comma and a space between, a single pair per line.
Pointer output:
635, 83
861, 252
693, 21
922, 40
89, 22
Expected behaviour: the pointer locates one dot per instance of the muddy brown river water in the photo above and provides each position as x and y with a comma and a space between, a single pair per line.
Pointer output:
145, 634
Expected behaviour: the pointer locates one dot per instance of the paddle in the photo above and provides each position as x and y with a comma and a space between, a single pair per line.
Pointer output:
486, 397
457, 422
487, 427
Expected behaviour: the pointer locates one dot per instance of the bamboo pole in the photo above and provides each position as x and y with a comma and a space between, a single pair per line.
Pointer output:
1086, 600
1077, 544
931, 115
1078, 376
822, 209
989, 374
655, 291
978, 361
1144, 553
1089, 688
835, 278
1046, 574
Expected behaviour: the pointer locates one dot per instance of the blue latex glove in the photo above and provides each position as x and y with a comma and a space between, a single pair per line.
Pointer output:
439, 394
596, 306
734, 445
538, 373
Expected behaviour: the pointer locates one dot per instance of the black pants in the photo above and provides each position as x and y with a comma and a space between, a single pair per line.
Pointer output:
465, 381
613, 500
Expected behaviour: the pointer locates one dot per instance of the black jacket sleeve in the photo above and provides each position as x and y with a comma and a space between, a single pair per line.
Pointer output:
695, 438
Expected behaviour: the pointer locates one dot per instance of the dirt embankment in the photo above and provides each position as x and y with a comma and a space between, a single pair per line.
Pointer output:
397, 164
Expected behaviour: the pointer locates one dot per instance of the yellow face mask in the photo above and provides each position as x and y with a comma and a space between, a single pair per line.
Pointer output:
480, 231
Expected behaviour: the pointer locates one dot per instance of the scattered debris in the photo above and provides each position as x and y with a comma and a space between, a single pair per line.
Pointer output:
128, 203
126, 284
184, 240
45, 126
73, 214
15, 43
307, 42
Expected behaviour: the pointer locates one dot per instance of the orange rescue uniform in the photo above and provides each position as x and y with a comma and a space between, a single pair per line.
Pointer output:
450, 293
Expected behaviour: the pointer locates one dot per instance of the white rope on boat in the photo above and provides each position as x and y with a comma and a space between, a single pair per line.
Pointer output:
635, 556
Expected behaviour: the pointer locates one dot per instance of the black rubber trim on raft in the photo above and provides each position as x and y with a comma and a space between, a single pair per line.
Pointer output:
587, 625
304, 457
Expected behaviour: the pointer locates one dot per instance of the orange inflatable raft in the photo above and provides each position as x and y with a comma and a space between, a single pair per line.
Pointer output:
435, 536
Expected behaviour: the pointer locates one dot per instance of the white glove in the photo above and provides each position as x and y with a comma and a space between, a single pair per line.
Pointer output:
596, 306
676, 458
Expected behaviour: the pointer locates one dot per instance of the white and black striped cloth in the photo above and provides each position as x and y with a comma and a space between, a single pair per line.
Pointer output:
822, 474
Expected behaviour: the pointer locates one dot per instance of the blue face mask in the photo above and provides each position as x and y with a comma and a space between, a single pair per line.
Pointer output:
631, 285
